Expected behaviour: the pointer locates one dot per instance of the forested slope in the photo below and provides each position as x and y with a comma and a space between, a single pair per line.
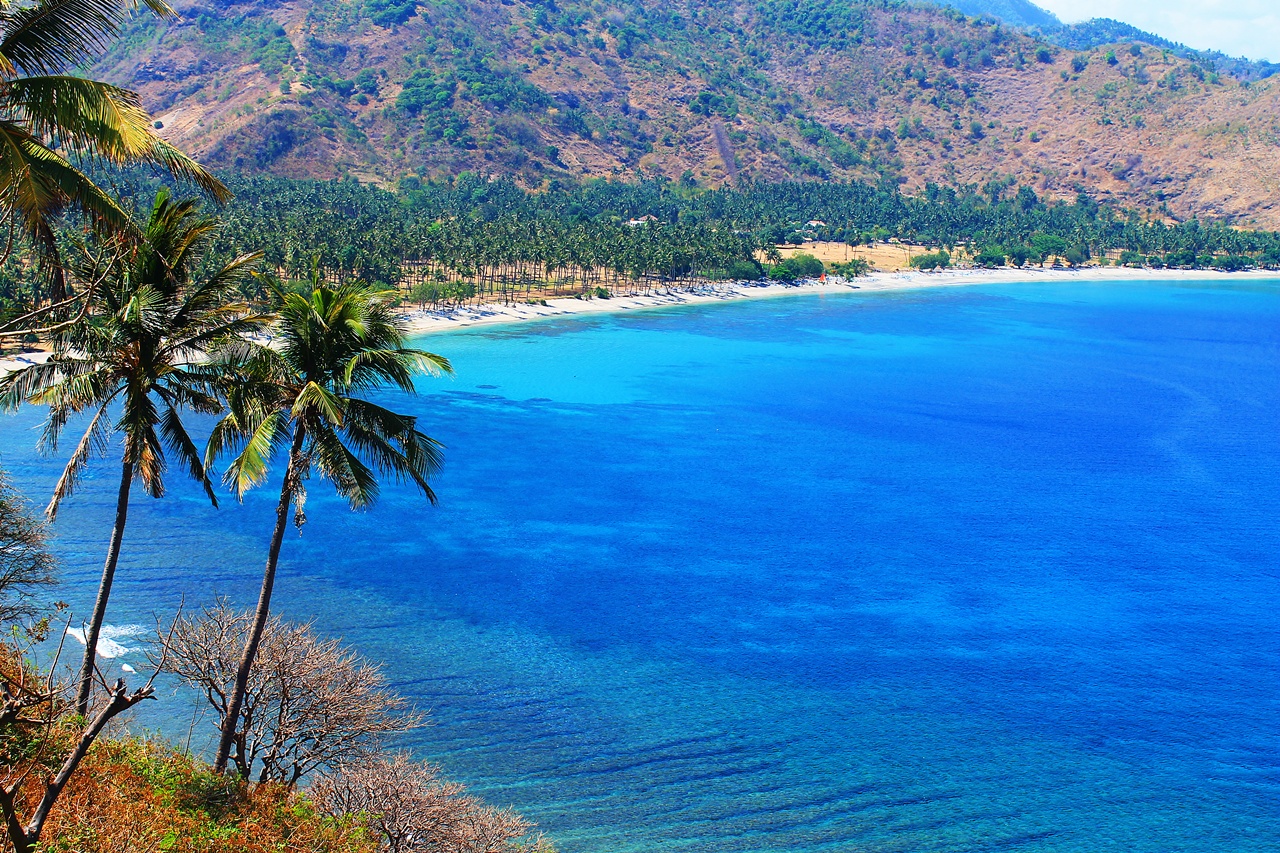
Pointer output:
707, 92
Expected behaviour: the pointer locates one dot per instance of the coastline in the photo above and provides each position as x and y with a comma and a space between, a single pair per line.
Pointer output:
433, 321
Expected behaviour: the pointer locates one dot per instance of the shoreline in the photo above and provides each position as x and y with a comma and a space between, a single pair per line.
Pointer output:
433, 321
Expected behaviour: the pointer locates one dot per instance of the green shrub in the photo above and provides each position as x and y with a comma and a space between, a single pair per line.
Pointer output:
743, 270
798, 266
852, 268
989, 258
1232, 263
1019, 255
940, 259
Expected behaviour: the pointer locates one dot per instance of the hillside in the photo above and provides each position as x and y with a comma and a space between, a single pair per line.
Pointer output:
709, 92
1096, 32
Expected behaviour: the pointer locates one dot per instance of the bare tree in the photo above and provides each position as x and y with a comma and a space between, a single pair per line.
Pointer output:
25, 562
43, 740
310, 703
409, 808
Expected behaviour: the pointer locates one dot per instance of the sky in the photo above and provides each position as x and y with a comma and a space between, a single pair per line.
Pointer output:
1237, 27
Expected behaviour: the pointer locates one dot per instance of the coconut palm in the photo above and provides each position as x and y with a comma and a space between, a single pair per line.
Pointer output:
330, 345
135, 357
50, 118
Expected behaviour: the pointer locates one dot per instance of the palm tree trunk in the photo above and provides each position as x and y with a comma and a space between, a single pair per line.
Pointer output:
104, 591
263, 611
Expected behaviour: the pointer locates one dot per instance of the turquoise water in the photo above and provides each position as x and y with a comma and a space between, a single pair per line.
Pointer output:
968, 569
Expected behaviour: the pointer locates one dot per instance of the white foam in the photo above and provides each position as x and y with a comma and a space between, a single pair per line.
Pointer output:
108, 639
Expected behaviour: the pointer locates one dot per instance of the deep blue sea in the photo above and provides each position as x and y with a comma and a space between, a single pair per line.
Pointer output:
964, 569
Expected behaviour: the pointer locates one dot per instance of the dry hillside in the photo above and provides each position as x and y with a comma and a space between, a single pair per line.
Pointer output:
708, 91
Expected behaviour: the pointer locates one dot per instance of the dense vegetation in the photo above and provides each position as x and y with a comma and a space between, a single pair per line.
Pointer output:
471, 237
491, 234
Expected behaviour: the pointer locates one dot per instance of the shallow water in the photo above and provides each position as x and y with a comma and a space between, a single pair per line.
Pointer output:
979, 568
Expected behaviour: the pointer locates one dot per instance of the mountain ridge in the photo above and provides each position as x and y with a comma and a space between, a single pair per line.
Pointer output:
761, 89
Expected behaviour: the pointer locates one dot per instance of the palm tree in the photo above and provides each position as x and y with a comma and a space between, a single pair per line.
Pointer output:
49, 118
137, 351
329, 345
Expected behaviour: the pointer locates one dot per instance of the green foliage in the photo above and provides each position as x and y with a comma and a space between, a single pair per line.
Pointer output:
275, 55
989, 258
742, 270
1075, 256
801, 265
500, 89
1020, 254
711, 104
430, 96
452, 226
851, 268
1233, 263
426, 92
1048, 246
940, 259
389, 13
425, 292
841, 152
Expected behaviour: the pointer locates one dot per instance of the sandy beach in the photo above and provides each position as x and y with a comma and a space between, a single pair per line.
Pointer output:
429, 321
432, 321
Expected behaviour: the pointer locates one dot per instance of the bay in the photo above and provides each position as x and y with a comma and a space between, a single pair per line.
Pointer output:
970, 568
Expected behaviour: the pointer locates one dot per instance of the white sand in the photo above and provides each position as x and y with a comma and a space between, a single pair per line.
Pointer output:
430, 321
14, 362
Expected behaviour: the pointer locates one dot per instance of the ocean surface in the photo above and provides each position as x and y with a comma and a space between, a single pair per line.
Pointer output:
964, 569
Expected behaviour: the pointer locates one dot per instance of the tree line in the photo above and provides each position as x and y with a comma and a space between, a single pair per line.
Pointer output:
473, 236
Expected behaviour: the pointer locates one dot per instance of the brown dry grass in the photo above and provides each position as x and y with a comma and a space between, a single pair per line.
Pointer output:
886, 257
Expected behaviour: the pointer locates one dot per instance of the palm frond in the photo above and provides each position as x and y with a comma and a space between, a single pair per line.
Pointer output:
249, 468
53, 35
85, 116
93, 442
181, 166
137, 422
75, 391
316, 398
183, 389
40, 183
409, 455
175, 435
372, 367
18, 386
351, 477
